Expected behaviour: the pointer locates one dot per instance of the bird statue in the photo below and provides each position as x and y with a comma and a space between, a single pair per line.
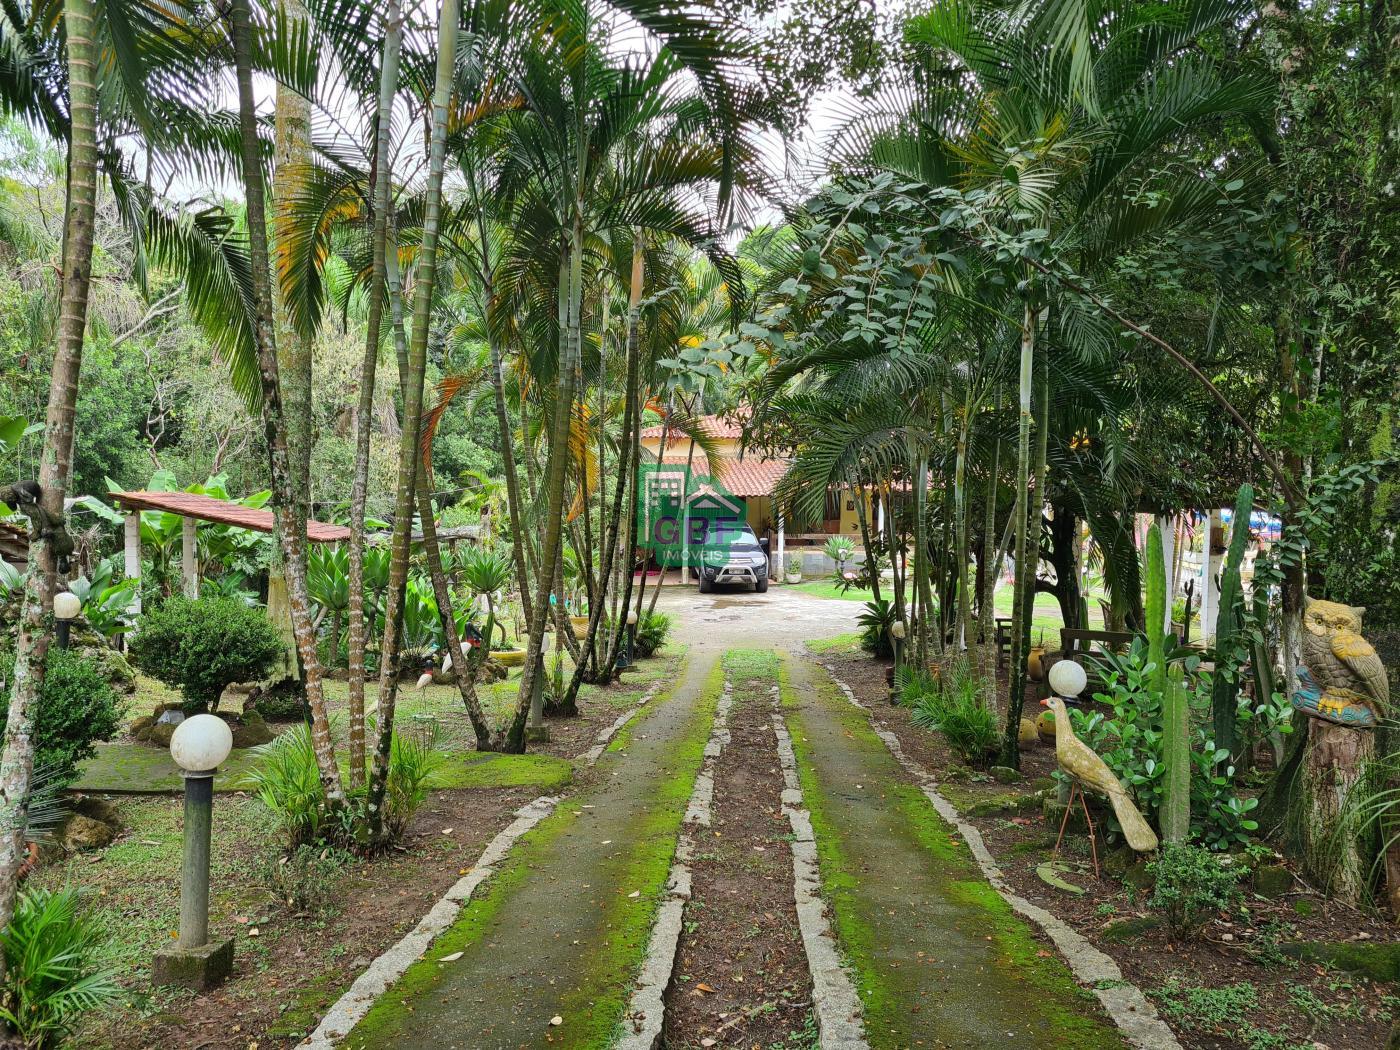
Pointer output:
1346, 681
1088, 771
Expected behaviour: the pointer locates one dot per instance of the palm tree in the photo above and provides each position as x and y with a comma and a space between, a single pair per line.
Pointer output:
47, 556
291, 538
412, 382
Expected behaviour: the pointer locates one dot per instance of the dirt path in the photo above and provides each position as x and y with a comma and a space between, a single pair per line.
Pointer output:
939, 958
546, 952
740, 976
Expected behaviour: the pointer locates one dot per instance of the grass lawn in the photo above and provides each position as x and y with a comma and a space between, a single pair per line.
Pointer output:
1047, 618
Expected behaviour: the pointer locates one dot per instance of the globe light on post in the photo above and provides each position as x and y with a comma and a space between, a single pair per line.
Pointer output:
1067, 679
897, 639
629, 645
199, 745
67, 607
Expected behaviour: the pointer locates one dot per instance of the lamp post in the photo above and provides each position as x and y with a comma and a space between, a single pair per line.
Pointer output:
631, 644
897, 640
198, 745
67, 607
1067, 680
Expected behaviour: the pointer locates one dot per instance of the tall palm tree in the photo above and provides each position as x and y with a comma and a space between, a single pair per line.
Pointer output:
46, 563
290, 537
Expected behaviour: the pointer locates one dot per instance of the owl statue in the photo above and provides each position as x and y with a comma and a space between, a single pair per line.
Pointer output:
1345, 681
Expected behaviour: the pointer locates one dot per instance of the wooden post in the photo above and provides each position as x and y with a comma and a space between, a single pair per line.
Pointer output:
189, 570
131, 555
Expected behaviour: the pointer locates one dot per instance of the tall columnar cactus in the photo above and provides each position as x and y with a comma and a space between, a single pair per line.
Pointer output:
1229, 638
1176, 712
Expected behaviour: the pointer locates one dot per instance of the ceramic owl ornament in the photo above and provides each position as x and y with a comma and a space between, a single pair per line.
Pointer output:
1344, 680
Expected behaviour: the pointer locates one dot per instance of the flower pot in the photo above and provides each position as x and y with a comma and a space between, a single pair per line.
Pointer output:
1035, 663
792, 577
509, 657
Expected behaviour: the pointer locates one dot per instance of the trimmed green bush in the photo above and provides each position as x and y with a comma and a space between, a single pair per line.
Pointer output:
1191, 887
77, 707
202, 646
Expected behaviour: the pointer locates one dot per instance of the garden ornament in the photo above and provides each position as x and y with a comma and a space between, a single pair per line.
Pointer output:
1343, 680
1087, 770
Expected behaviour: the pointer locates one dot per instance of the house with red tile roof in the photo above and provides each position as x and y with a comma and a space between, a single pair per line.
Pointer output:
752, 477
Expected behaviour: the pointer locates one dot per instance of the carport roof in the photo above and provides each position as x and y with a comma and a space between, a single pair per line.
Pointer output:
222, 512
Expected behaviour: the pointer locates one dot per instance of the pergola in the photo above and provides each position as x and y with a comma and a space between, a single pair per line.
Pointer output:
193, 508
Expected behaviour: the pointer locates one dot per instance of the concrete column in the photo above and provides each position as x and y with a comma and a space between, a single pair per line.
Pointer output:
194, 882
189, 569
1210, 588
782, 552
1166, 525
131, 555
880, 514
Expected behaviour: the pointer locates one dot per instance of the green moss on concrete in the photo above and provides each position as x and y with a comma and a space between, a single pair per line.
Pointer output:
1380, 962
483, 769
1054, 994
594, 1006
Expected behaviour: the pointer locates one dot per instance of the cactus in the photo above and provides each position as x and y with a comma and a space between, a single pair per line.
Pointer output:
1175, 813
1228, 635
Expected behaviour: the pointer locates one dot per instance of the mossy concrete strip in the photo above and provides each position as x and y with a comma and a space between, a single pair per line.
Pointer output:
352, 1006
834, 1000
561, 930
1124, 1002
940, 958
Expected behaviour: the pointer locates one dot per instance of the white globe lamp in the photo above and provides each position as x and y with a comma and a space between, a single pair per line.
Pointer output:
67, 606
1067, 678
201, 743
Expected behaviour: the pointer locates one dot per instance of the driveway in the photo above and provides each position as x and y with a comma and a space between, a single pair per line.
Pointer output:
781, 619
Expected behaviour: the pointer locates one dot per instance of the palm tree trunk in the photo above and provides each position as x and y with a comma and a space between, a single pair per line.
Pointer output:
571, 289
962, 631
624, 462
388, 81
46, 563
413, 408
990, 559
291, 540
1025, 572
870, 567
922, 588
291, 160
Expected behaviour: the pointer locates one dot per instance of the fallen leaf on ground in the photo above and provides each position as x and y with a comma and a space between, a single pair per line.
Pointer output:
556, 1021
703, 987
451, 958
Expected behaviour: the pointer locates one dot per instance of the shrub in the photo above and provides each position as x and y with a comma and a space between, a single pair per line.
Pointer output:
285, 778
308, 878
652, 630
954, 707
53, 966
875, 620
1130, 742
1191, 886
202, 646
77, 707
